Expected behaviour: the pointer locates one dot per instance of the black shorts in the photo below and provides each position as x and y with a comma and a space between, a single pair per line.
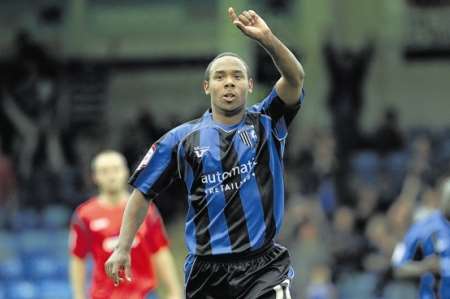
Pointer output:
265, 274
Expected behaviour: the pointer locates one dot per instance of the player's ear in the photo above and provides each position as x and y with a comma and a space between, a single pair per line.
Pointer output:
250, 85
206, 87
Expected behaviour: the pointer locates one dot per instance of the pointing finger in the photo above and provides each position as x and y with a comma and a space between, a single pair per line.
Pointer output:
236, 21
232, 14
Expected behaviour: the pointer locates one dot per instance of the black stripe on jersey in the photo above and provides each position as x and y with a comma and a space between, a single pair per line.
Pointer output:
234, 213
264, 178
278, 109
245, 138
198, 196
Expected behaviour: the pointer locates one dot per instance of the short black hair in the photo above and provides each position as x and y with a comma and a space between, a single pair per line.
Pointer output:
223, 54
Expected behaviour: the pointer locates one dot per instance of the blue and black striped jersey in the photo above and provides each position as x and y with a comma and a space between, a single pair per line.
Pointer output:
233, 175
427, 237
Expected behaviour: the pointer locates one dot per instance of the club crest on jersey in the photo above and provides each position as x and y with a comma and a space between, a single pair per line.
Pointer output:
147, 157
200, 151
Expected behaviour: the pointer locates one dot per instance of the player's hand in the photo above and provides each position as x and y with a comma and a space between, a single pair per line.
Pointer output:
432, 264
251, 25
118, 266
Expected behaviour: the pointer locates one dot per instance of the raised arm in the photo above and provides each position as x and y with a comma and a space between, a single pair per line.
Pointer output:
120, 260
290, 84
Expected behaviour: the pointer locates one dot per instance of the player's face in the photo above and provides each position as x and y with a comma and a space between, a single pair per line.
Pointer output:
110, 173
228, 85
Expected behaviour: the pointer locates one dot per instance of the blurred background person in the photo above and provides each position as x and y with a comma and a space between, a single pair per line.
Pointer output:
95, 228
425, 251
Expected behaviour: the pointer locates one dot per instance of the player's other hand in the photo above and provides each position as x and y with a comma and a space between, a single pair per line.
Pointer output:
118, 266
250, 24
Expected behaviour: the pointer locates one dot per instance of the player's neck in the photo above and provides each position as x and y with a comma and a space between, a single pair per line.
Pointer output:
113, 199
228, 120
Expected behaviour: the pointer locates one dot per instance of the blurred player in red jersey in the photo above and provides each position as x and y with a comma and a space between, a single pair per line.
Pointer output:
95, 229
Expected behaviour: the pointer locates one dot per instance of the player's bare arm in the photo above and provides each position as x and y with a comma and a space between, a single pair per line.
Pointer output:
415, 269
290, 84
120, 260
77, 274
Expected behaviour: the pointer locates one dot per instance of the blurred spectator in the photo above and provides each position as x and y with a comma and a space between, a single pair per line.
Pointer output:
348, 247
420, 157
378, 257
309, 247
428, 203
388, 136
29, 102
138, 135
347, 71
29, 98
366, 205
381, 244
399, 217
8, 190
316, 167
321, 286
325, 165
308, 178
324, 154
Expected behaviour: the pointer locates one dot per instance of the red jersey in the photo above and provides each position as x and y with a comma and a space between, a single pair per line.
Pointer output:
95, 230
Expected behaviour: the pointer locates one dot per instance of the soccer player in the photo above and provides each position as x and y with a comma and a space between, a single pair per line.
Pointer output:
95, 229
425, 251
231, 162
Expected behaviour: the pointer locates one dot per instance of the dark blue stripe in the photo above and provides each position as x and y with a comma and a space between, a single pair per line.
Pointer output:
276, 170
197, 197
218, 228
250, 197
190, 238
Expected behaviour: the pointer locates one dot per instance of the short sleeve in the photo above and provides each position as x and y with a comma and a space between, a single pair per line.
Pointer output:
79, 244
158, 167
156, 234
280, 113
